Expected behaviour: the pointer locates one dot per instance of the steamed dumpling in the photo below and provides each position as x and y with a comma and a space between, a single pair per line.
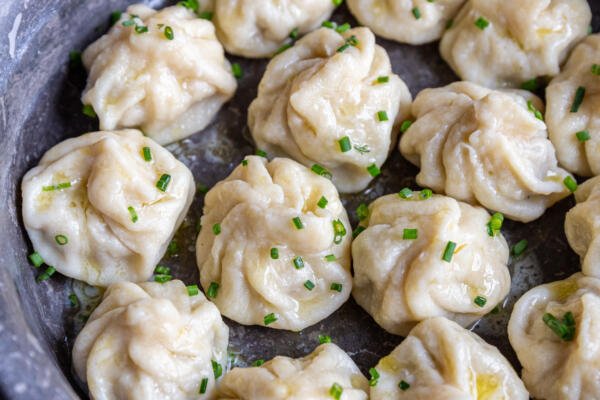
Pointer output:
93, 209
256, 29
582, 226
331, 100
307, 378
500, 43
401, 281
274, 248
439, 360
485, 146
574, 127
168, 85
152, 341
406, 21
561, 367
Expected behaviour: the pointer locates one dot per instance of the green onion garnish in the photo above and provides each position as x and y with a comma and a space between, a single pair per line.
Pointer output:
213, 290
129, 22
309, 285
362, 211
532, 85
482, 23
405, 125
192, 290
88, 111
383, 79
61, 239
244, 163
359, 229
343, 27
190, 4
258, 362
172, 248
564, 329
480, 301
583, 136
147, 154
373, 170
339, 231
298, 262
579, 95
46, 274
374, 376
36, 259
596, 69
283, 48
216, 228
495, 224
115, 16
449, 251
345, 144
336, 390
73, 300
335, 286
425, 194
324, 339
207, 15
297, 223
58, 186
141, 29
329, 24
330, 258
269, 319
238, 73
416, 12
162, 278
217, 369
410, 234
203, 385
75, 57
163, 182
362, 149
570, 183
261, 153
162, 270
382, 116
132, 214
520, 247
294, 34
405, 193
322, 203
320, 170
403, 385
169, 33
337, 2
534, 110
351, 41
274, 253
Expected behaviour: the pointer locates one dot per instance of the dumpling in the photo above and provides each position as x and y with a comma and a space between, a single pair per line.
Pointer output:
162, 71
274, 248
439, 360
318, 376
423, 257
102, 207
406, 21
152, 341
573, 112
485, 146
554, 331
331, 100
256, 29
499, 43
582, 226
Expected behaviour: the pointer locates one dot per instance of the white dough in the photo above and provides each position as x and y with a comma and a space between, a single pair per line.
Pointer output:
442, 361
151, 341
556, 369
255, 207
524, 39
307, 378
582, 226
581, 158
396, 20
168, 88
107, 174
403, 281
485, 146
313, 95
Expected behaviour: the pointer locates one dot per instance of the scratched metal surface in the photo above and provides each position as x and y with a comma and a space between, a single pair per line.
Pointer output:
39, 106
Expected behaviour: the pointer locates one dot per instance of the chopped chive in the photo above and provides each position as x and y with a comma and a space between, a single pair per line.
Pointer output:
345, 144
520, 247
132, 214
373, 170
336, 390
46, 274
596, 69
339, 231
201, 188
207, 15
115, 16
283, 48
405, 125
75, 57
172, 248
213, 290
309, 285
269, 319
337, 287
374, 377
244, 163
410, 234
570, 183
495, 224
162, 270
532, 85
324, 339
362, 149
147, 154
362, 211
217, 369
36, 259
480, 301
298, 262
162, 278
73, 300
330, 258
58, 186
297, 223
579, 95
320, 170
351, 41
294, 34
258, 362
416, 12
322, 203
141, 29
482, 23
534, 110
238, 73
450, 23
192, 290
203, 386
337, 2
261, 153
382, 116
564, 329
274, 253
383, 79
163, 182
128, 23
425, 194
169, 33
359, 229
216, 228
329, 24
61, 239
343, 27
405, 193
403, 385
449, 251
583, 136
88, 111
190, 4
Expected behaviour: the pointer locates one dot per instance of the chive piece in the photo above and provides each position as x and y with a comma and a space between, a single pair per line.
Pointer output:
579, 95
345, 144
480, 301
141, 29
298, 262
449, 251
192, 290
128, 23
36, 259
339, 231
162, 278
132, 214
373, 170
450, 23
75, 57
163, 182
383, 79
45, 275
73, 300
534, 110
294, 34
351, 41
362, 149
297, 223
203, 386
172, 248
583, 136
570, 183
425, 194
330, 258
207, 15
405, 193
382, 116
213, 290
115, 16
337, 2
217, 369
216, 228
59, 186
336, 390
324, 339
88, 111
269, 319
596, 69
320, 170
201, 188
403, 385
169, 33
274, 253
283, 48
322, 203
261, 153
359, 229
61, 239
532, 85
309, 285
190, 4
147, 154
416, 13
238, 73
564, 329
343, 48
410, 234
162, 270
519, 248
362, 211
405, 125
258, 362
329, 24
343, 27
374, 377
335, 286
244, 163
495, 224
482, 23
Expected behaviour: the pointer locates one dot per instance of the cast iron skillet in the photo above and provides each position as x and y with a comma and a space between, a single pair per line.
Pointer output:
39, 107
